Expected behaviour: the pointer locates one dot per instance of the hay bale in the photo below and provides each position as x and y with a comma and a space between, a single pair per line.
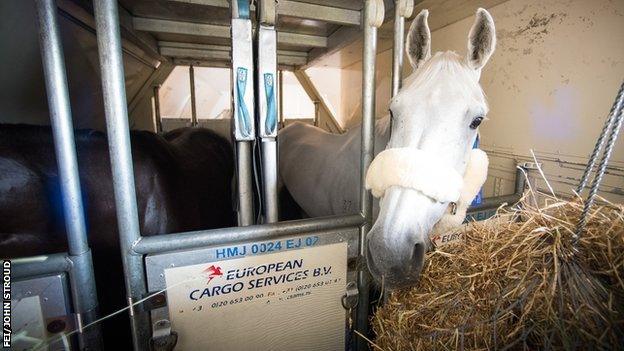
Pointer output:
516, 282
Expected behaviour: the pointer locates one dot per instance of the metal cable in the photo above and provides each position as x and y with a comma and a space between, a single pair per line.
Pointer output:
600, 142
613, 135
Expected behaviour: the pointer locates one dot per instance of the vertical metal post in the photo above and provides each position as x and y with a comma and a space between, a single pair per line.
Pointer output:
82, 278
280, 88
243, 110
159, 128
373, 18
115, 109
193, 100
245, 185
402, 9
266, 49
269, 178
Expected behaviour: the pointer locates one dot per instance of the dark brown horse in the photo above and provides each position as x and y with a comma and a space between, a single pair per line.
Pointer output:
183, 182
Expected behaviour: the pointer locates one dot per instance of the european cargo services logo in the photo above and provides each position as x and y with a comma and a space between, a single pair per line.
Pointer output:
212, 272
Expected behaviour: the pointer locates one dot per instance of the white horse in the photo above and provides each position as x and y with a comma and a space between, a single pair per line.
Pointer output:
426, 142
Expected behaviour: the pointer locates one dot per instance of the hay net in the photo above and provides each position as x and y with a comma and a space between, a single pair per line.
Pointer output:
517, 282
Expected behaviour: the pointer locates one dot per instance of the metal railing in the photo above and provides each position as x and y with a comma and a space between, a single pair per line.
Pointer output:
118, 133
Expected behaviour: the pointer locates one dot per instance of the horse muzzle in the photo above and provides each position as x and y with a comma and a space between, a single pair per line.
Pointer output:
393, 270
399, 239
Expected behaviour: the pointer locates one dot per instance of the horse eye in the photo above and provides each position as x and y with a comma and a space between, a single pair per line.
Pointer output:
476, 122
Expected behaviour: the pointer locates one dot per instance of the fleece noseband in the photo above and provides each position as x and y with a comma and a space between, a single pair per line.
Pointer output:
413, 169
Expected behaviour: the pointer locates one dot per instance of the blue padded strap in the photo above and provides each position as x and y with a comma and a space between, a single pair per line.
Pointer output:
270, 122
243, 9
243, 114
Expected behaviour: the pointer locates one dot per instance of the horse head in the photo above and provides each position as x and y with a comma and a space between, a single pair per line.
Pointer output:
434, 122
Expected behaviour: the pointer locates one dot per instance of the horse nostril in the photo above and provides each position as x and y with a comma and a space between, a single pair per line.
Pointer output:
418, 256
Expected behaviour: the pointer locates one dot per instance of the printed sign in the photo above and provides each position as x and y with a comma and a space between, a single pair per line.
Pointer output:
439, 240
283, 301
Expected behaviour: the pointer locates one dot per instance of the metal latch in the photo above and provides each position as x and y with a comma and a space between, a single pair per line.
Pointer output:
163, 338
350, 298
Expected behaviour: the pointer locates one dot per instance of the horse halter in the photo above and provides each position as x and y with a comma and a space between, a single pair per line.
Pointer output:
453, 208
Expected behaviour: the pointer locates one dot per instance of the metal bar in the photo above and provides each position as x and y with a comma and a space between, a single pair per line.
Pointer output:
222, 54
201, 63
82, 280
368, 111
193, 99
179, 27
82, 284
181, 45
296, 39
299, 10
290, 63
319, 12
280, 98
397, 48
285, 63
217, 31
62, 129
243, 107
226, 236
245, 183
211, 47
157, 116
39, 265
115, 108
201, 54
291, 60
601, 139
269, 180
267, 118
368, 142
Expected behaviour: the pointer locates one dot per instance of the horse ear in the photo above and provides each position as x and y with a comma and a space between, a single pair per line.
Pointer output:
482, 40
418, 46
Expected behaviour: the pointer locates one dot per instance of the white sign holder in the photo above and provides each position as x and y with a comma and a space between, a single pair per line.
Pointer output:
281, 301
